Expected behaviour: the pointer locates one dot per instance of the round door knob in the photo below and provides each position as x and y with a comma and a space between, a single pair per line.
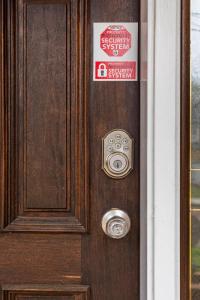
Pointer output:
116, 223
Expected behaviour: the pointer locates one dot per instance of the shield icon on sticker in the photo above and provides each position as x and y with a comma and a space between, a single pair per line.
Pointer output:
115, 52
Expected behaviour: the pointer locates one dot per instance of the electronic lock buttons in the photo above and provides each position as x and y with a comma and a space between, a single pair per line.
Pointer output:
117, 153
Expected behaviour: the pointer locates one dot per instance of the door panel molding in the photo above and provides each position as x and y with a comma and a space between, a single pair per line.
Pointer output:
44, 182
49, 292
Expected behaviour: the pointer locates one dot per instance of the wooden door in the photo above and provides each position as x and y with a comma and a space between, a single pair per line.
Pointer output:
53, 189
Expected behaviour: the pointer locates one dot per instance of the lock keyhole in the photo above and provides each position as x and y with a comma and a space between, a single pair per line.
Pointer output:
117, 164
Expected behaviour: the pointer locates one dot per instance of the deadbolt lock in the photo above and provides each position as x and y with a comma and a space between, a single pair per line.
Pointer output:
117, 154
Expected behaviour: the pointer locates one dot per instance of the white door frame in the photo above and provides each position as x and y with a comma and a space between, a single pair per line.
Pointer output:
163, 154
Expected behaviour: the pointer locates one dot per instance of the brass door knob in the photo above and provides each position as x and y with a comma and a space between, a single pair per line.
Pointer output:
116, 223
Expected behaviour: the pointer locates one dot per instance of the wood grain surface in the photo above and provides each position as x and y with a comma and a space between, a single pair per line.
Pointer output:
185, 152
113, 105
53, 190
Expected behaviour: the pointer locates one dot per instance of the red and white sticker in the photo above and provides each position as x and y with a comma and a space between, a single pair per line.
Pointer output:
115, 51
124, 70
115, 40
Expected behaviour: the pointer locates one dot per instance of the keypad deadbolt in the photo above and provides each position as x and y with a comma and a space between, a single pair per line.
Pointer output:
117, 154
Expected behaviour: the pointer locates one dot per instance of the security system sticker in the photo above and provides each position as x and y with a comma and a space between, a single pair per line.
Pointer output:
115, 51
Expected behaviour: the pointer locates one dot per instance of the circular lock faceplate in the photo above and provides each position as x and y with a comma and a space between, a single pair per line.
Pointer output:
117, 163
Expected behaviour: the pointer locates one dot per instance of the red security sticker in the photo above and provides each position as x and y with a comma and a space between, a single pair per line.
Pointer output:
115, 40
115, 51
124, 70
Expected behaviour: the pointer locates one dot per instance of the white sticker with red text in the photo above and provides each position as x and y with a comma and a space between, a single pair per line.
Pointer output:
115, 51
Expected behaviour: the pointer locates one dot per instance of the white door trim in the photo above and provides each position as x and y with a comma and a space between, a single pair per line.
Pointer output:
163, 155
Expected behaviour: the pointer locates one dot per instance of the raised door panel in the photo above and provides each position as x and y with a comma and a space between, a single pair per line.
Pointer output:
55, 292
44, 130
43, 297
40, 258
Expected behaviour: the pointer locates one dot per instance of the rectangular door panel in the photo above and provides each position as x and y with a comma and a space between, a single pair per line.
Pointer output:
40, 258
59, 292
45, 109
45, 169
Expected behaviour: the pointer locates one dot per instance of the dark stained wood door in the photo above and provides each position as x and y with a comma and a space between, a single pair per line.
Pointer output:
53, 189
